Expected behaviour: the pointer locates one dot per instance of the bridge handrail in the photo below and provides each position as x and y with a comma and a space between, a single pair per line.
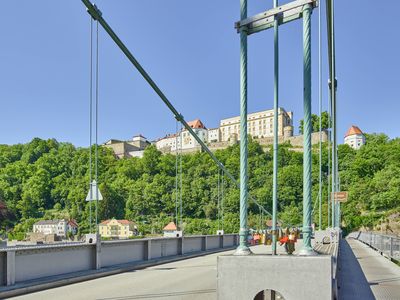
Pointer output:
387, 245
77, 244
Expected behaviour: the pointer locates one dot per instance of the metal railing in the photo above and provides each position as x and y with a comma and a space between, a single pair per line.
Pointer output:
386, 244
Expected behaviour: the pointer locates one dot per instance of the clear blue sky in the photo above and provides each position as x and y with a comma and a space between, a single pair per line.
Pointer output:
191, 50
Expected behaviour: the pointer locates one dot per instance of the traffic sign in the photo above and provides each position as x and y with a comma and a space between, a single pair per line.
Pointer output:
340, 196
94, 192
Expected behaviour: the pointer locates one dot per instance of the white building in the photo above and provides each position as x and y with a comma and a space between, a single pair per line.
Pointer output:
260, 125
173, 142
57, 227
171, 230
354, 137
214, 135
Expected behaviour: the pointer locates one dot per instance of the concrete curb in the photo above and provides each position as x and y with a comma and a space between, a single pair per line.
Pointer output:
61, 280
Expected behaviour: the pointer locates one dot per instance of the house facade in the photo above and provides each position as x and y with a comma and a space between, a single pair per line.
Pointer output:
57, 227
259, 125
170, 230
117, 229
183, 140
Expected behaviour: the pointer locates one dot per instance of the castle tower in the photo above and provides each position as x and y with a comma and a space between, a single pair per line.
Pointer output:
354, 137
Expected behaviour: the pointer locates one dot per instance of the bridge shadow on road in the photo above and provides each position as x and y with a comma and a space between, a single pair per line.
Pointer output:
352, 283
164, 295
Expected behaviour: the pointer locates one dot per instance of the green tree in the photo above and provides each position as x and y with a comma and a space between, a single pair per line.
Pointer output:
315, 122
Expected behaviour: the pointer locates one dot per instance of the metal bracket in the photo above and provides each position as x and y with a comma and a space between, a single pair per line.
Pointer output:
94, 11
284, 14
330, 83
179, 117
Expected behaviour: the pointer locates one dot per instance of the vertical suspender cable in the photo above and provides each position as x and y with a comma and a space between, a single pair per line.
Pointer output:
90, 122
222, 200
180, 173
333, 91
218, 203
276, 112
320, 117
337, 187
176, 174
329, 160
97, 120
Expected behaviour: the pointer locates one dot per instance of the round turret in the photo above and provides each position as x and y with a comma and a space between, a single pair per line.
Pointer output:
288, 131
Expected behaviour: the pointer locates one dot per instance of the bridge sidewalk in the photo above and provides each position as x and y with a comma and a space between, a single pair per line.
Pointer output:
364, 274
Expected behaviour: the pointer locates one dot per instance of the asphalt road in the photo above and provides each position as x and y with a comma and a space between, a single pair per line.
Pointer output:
192, 279
187, 279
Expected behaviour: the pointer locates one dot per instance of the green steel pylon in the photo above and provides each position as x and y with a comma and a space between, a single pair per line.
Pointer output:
275, 157
243, 248
307, 129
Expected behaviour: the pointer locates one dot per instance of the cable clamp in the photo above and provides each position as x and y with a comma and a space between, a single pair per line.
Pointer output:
94, 12
179, 117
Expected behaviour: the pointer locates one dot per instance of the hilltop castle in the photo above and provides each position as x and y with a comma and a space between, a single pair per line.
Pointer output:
260, 127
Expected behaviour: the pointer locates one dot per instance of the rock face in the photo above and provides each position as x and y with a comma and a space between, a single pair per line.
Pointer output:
390, 225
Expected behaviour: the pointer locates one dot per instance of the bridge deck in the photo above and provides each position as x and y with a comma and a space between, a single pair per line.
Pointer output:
365, 274
190, 279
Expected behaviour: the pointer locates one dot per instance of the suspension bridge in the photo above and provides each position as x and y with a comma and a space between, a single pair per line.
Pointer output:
222, 266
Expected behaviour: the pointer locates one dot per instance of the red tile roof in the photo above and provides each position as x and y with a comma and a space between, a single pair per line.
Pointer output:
73, 222
352, 131
170, 227
196, 124
123, 222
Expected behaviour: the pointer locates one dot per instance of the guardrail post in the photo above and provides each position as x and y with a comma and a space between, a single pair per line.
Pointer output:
98, 252
221, 241
147, 250
204, 243
180, 246
391, 247
10, 267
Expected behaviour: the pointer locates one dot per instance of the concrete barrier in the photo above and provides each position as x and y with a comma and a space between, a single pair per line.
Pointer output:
40, 264
294, 277
3, 268
49, 262
213, 242
122, 252
194, 244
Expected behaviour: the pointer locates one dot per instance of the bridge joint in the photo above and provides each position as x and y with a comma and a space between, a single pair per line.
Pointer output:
284, 14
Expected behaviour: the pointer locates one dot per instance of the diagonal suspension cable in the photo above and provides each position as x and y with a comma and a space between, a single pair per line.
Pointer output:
97, 15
